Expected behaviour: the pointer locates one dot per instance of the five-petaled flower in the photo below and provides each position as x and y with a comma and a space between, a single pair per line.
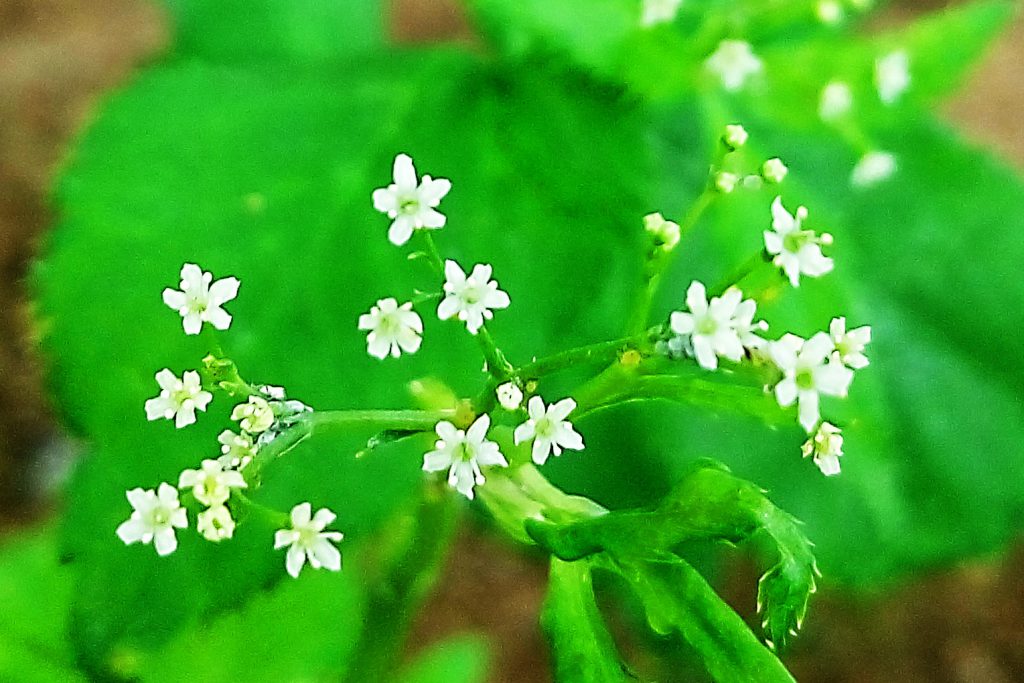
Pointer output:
796, 251
733, 62
211, 484
826, 447
710, 326
155, 516
200, 299
179, 398
392, 329
470, 299
410, 203
463, 453
215, 523
237, 449
850, 344
807, 371
307, 540
549, 429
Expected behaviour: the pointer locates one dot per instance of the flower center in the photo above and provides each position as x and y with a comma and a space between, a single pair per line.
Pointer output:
160, 517
707, 325
409, 205
465, 452
388, 325
794, 241
307, 536
472, 295
804, 378
544, 427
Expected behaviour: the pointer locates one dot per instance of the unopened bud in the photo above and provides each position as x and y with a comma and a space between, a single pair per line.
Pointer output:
734, 137
774, 171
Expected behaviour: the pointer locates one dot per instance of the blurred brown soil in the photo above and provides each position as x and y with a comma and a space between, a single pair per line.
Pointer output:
57, 57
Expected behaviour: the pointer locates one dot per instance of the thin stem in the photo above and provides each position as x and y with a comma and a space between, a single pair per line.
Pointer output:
601, 352
400, 420
497, 364
737, 276
432, 253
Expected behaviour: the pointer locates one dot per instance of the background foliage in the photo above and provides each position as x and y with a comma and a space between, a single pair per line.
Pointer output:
252, 149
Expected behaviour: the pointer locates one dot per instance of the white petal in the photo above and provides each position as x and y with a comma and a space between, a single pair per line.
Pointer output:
385, 200
132, 531
404, 173
435, 461
429, 218
301, 515
284, 537
453, 273
157, 408
524, 432
809, 412
174, 298
223, 290
218, 317
816, 349
681, 323
294, 560
165, 541
323, 518
193, 323
433, 190
561, 410
833, 379
782, 220
706, 357
541, 451
400, 230
696, 298
449, 308
785, 392
326, 554
478, 431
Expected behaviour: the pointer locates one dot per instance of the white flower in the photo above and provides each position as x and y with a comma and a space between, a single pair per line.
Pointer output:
774, 171
307, 540
665, 233
509, 396
238, 449
807, 372
873, 168
659, 11
549, 429
735, 136
200, 299
725, 182
392, 329
410, 204
796, 251
179, 398
215, 523
472, 298
892, 76
826, 447
154, 518
850, 345
709, 326
463, 453
255, 416
836, 101
829, 11
211, 484
742, 320
733, 62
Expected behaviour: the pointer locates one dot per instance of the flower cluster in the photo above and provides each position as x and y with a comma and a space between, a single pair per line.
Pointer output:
215, 485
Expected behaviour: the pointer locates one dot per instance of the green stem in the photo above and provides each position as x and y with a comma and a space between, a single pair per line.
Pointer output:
399, 420
737, 276
497, 364
432, 253
601, 352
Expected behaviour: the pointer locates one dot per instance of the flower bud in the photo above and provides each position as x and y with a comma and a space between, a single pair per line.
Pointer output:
734, 137
725, 182
510, 396
774, 171
665, 233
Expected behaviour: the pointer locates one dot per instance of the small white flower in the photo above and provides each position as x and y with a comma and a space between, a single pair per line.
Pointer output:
238, 449
725, 182
463, 453
836, 101
409, 203
892, 76
829, 12
742, 320
255, 416
665, 233
211, 484
200, 299
774, 171
733, 62
470, 299
392, 329
735, 136
709, 326
154, 518
850, 345
807, 372
549, 429
873, 168
215, 523
796, 251
179, 398
509, 396
659, 11
826, 447
307, 540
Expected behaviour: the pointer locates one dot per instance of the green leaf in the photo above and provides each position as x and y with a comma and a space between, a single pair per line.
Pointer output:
461, 658
679, 602
288, 31
35, 591
582, 649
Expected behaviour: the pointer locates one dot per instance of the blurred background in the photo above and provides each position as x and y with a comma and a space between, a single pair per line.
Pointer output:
58, 58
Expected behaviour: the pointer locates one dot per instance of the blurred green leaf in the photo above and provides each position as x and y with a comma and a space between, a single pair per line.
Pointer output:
461, 658
35, 591
679, 602
583, 650
293, 31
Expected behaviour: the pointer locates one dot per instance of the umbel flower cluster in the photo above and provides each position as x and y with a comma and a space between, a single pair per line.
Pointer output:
715, 330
